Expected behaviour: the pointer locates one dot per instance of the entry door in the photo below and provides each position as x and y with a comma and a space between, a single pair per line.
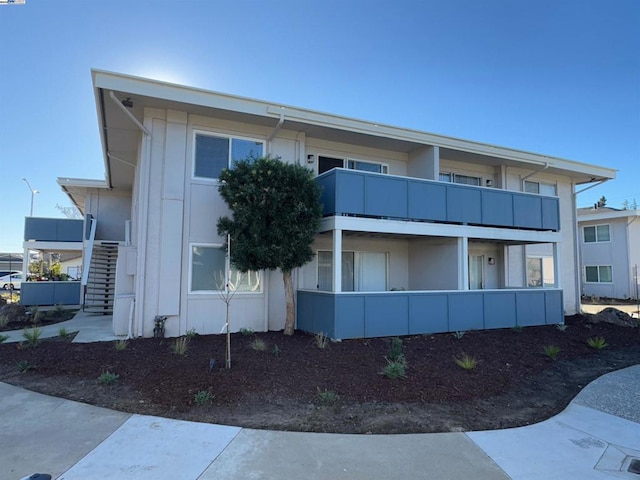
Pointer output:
476, 272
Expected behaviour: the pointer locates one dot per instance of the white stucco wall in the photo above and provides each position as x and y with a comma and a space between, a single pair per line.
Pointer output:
112, 209
433, 264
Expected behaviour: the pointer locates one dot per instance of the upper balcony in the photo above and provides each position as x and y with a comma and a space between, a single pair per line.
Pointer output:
52, 230
351, 192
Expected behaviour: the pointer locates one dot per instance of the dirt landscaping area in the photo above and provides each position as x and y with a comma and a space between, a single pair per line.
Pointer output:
291, 383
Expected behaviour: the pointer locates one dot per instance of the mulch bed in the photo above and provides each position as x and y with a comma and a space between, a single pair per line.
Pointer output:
278, 388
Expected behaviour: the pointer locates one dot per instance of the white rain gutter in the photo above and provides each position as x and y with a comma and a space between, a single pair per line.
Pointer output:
145, 155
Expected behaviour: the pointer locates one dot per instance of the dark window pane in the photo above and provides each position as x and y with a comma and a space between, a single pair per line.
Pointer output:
603, 233
327, 163
605, 274
592, 274
212, 155
589, 234
243, 149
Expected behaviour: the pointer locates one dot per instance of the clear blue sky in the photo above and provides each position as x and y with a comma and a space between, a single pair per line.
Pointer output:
557, 77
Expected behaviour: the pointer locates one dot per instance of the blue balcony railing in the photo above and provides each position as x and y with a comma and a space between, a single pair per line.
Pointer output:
384, 314
53, 229
350, 192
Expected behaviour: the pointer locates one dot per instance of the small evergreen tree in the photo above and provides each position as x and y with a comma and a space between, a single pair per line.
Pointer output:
276, 212
602, 202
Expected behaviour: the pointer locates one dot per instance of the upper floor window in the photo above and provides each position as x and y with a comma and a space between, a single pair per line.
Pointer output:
462, 179
540, 188
597, 233
216, 152
327, 163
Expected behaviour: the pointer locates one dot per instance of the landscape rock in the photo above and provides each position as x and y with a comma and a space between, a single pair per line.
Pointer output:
614, 316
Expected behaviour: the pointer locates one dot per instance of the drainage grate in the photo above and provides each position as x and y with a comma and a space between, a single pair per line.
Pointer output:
634, 466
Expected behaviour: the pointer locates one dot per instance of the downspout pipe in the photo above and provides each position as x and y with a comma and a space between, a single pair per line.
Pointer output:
128, 113
275, 129
143, 195
576, 239
546, 165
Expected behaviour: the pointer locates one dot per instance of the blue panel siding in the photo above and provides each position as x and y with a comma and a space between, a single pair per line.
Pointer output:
53, 229
386, 315
464, 204
383, 314
466, 311
349, 316
550, 214
427, 201
530, 308
497, 208
50, 293
386, 196
554, 313
528, 211
349, 192
499, 309
428, 314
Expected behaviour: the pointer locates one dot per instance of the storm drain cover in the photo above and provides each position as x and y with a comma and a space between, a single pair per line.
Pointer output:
634, 466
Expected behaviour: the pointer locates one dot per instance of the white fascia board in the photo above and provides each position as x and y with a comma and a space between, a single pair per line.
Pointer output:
81, 183
35, 245
399, 227
208, 98
608, 215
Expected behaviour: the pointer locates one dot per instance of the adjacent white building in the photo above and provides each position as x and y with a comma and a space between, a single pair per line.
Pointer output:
421, 232
609, 252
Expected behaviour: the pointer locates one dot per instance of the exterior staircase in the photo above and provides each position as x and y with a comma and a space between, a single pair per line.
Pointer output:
99, 291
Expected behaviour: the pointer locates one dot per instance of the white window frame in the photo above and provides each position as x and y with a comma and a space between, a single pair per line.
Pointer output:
598, 267
384, 167
539, 184
453, 176
595, 228
216, 292
356, 263
542, 259
229, 137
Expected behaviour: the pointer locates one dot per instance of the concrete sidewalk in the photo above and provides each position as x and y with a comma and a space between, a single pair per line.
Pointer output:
596, 437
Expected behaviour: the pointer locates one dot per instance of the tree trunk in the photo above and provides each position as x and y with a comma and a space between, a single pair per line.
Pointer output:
290, 322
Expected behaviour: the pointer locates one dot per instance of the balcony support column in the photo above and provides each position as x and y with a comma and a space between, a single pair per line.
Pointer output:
463, 263
556, 266
337, 261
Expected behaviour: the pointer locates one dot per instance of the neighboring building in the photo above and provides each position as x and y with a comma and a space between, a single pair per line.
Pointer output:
10, 262
421, 232
609, 252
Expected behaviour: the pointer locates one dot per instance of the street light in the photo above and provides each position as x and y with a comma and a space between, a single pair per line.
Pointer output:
33, 194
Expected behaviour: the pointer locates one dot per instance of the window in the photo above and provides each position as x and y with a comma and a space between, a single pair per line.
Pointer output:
214, 152
540, 188
540, 272
462, 179
327, 163
207, 272
361, 271
598, 274
597, 233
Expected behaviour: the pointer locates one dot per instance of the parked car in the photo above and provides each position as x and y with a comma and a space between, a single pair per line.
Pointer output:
11, 281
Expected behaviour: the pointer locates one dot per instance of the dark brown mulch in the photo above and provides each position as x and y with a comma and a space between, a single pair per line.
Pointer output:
514, 383
50, 317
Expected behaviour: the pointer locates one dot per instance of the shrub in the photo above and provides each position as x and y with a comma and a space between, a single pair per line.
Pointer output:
517, 328
108, 378
202, 397
180, 345
32, 336
459, 334
597, 343
395, 350
12, 312
37, 316
562, 327
466, 362
24, 366
276, 351
57, 312
247, 332
120, 344
192, 333
395, 368
259, 345
63, 333
321, 340
327, 397
551, 351
3, 338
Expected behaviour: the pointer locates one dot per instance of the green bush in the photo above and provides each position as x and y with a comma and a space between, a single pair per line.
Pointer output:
259, 345
395, 368
24, 366
180, 345
327, 397
202, 397
395, 350
32, 337
597, 343
466, 362
551, 351
108, 378
120, 344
